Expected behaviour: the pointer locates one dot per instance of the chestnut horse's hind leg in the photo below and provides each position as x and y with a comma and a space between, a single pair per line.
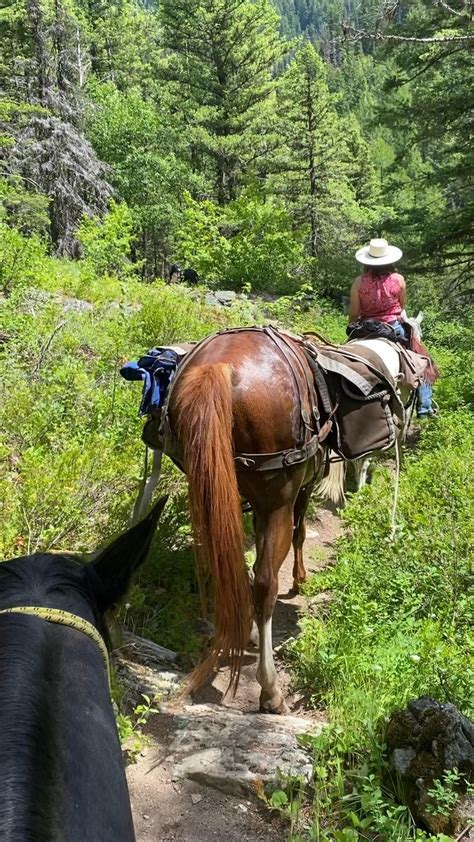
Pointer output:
299, 534
273, 538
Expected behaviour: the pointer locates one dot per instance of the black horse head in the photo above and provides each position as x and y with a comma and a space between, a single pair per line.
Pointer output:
60, 759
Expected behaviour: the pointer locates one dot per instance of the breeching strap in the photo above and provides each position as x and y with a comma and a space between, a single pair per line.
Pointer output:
65, 618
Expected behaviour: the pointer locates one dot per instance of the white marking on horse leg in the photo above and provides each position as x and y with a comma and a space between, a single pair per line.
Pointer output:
362, 471
147, 488
266, 672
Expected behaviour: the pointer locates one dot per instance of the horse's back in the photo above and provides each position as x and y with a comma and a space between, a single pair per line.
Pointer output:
264, 394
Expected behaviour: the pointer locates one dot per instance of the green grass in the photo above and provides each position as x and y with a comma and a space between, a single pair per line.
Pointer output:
399, 626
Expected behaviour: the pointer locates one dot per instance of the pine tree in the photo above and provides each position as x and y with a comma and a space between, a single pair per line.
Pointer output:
123, 41
50, 152
313, 160
221, 57
430, 103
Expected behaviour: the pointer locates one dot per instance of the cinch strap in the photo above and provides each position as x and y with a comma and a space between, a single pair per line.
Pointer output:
65, 618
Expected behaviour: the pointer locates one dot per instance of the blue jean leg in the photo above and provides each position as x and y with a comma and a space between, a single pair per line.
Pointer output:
399, 330
424, 399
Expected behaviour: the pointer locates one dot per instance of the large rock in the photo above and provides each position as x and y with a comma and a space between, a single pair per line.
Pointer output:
35, 299
231, 751
424, 741
221, 297
146, 667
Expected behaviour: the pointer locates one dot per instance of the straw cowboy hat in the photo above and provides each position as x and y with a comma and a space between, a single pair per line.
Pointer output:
378, 253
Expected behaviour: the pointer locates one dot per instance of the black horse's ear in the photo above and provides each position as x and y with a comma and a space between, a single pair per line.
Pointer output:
111, 571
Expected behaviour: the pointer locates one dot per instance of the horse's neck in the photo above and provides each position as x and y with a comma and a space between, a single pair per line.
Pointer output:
60, 760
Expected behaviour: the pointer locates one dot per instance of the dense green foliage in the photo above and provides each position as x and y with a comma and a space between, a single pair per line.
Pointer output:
205, 99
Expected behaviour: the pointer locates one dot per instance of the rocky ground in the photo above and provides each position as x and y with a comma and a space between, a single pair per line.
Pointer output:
196, 779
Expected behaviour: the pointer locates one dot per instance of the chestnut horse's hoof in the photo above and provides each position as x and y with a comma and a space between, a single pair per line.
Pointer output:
274, 704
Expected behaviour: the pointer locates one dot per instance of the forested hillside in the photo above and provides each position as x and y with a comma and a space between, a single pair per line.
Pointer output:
212, 139
321, 19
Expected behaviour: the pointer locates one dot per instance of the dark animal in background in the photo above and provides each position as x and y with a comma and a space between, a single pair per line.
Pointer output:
175, 273
61, 769
187, 276
190, 276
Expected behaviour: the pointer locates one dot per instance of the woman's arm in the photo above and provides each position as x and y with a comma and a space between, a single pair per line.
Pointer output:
354, 305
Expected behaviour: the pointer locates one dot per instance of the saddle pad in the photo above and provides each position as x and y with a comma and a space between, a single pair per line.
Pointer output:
384, 350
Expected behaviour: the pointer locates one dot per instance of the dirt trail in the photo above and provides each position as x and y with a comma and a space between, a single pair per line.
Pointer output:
167, 808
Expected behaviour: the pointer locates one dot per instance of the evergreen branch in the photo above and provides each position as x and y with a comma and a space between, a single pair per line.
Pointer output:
6, 174
428, 65
241, 34
350, 33
450, 9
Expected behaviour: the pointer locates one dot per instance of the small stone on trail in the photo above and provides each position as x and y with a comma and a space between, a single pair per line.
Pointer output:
196, 798
312, 533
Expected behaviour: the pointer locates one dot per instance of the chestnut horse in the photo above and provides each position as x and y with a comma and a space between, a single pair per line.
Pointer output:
238, 394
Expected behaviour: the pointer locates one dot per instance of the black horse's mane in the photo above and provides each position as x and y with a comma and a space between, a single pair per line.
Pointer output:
53, 580
27, 733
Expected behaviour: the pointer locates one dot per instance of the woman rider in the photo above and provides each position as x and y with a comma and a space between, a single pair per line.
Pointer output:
379, 293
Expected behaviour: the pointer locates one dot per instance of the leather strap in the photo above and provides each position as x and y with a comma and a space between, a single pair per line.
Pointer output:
284, 346
275, 461
344, 370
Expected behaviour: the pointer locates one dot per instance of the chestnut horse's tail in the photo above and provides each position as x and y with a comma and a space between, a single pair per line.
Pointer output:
203, 404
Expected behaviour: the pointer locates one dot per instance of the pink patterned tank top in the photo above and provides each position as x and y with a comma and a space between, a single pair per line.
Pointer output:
380, 296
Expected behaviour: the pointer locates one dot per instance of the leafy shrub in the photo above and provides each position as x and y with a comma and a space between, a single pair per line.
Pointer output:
106, 242
21, 258
249, 243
